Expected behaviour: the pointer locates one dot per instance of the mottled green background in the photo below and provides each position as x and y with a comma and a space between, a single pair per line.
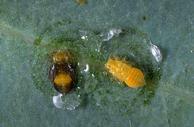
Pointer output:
169, 23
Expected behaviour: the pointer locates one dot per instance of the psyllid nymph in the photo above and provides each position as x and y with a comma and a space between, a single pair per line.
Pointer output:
124, 72
62, 72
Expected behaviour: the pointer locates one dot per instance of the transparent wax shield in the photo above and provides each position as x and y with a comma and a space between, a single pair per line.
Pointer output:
91, 50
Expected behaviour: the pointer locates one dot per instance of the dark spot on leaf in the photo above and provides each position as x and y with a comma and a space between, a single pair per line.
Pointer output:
144, 18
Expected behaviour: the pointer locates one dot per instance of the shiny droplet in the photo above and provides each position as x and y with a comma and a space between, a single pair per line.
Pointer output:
110, 34
84, 67
83, 34
87, 68
57, 101
67, 101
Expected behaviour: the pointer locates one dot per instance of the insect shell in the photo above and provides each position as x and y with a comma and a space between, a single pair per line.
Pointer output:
62, 72
124, 72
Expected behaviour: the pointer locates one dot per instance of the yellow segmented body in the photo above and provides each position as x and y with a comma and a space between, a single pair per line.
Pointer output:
124, 72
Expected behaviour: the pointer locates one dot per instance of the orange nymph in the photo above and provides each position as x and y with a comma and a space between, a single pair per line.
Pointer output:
125, 72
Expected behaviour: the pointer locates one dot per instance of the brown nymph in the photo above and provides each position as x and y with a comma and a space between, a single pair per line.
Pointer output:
62, 71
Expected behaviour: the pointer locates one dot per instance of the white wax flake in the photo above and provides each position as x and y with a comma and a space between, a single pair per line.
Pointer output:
83, 35
57, 101
87, 68
156, 52
53, 67
84, 68
111, 33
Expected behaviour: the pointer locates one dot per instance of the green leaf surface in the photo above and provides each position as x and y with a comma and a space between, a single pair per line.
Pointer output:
31, 30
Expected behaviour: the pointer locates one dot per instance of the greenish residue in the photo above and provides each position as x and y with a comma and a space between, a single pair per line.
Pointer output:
97, 85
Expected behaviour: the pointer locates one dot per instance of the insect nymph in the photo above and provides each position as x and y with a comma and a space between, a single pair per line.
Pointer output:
62, 72
125, 72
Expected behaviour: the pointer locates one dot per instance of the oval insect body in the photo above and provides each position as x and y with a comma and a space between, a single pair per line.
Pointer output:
62, 73
124, 72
